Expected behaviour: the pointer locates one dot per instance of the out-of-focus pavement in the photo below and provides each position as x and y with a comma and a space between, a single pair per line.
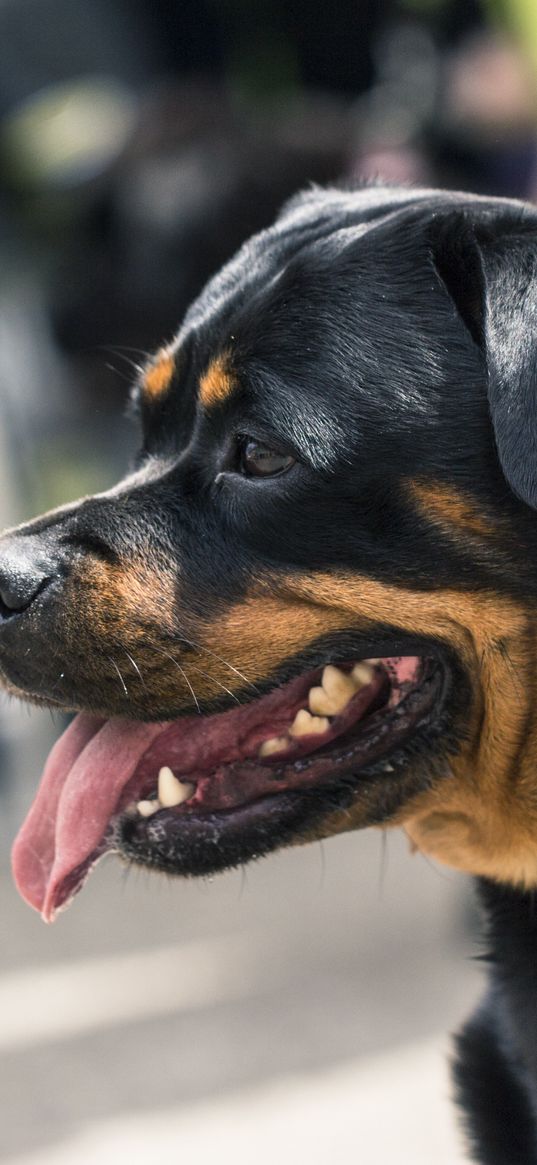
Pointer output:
299, 1010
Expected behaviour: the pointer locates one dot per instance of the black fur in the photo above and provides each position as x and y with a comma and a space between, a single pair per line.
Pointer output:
496, 1065
382, 337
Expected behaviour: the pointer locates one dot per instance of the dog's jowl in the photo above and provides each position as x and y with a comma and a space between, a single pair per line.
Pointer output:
311, 606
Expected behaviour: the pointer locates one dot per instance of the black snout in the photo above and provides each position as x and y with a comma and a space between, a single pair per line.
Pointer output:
25, 571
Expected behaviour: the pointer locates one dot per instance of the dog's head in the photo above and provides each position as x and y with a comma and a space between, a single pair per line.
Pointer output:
313, 599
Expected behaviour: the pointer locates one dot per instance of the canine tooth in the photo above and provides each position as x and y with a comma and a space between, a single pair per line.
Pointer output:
171, 791
147, 808
339, 686
275, 744
362, 673
304, 724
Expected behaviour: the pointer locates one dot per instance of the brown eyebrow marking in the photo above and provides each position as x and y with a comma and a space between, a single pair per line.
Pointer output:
450, 507
157, 379
218, 381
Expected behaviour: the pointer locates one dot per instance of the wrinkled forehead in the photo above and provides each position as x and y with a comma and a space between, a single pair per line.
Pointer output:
258, 328
322, 311
327, 329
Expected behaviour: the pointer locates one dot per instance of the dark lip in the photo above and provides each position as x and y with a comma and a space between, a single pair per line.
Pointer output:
201, 842
338, 648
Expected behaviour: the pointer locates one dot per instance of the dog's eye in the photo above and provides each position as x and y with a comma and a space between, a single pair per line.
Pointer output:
257, 460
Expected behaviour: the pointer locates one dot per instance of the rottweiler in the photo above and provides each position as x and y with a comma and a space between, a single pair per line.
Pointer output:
309, 608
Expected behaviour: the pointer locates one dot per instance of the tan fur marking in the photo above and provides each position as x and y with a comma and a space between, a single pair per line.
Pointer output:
217, 382
135, 593
480, 816
450, 508
158, 377
118, 628
483, 817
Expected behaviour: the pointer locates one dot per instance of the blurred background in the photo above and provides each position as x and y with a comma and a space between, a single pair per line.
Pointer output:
301, 1009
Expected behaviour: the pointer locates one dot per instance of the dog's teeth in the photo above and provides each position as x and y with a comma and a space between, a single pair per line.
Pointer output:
171, 791
306, 725
362, 673
275, 744
321, 704
339, 686
147, 808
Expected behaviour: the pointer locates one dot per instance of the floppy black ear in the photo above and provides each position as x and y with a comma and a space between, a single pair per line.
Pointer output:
490, 270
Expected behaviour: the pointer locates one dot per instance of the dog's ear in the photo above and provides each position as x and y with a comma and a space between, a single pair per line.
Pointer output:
489, 269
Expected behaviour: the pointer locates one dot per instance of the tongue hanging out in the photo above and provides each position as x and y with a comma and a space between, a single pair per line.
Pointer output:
101, 768
83, 779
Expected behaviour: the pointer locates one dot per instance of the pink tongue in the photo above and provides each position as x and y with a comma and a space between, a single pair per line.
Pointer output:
66, 829
84, 776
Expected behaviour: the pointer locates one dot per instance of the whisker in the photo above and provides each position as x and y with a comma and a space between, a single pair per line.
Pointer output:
192, 667
122, 681
135, 666
194, 697
183, 673
199, 647
120, 348
119, 372
214, 681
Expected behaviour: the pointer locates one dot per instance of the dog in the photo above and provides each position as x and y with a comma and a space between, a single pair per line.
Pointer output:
309, 608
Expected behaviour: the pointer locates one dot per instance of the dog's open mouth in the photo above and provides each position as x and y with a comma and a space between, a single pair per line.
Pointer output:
108, 779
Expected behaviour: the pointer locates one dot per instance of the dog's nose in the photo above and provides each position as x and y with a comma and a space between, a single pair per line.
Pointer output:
24, 572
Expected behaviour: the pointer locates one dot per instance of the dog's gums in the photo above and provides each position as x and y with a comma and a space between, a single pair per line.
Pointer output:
306, 732
353, 694
110, 785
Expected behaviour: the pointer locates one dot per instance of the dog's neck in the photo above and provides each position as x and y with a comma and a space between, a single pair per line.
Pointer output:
483, 818
496, 1070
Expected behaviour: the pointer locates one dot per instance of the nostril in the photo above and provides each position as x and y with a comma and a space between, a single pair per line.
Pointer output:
23, 575
17, 594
